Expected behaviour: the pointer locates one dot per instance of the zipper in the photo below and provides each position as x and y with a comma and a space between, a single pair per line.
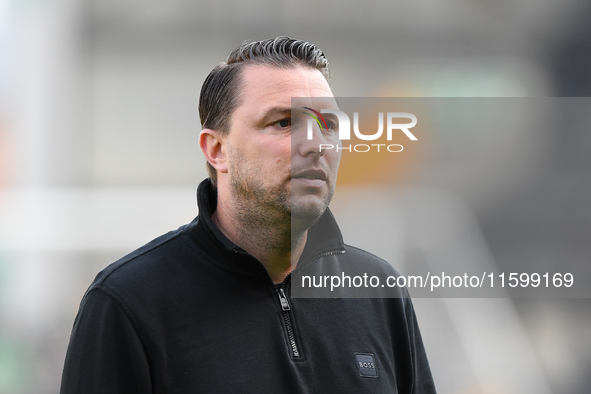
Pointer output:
284, 301
285, 308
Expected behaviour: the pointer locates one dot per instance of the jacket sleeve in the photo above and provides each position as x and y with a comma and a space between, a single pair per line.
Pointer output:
422, 378
105, 354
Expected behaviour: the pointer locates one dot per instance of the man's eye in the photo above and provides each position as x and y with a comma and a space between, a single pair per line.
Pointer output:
330, 127
283, 123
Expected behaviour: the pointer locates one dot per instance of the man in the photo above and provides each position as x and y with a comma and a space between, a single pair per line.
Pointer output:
207, 308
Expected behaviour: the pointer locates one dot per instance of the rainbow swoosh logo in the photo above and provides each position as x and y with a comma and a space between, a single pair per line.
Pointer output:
318, 115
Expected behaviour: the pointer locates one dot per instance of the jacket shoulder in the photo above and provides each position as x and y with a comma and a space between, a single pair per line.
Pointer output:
365, 259
144, 263
350, 273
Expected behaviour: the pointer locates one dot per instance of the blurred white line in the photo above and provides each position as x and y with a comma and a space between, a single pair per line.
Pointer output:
87, 219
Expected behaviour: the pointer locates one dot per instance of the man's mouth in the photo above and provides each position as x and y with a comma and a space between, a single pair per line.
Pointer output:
311, 174
311, 179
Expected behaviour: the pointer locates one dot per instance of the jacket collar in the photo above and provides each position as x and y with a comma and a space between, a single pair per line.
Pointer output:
323, 237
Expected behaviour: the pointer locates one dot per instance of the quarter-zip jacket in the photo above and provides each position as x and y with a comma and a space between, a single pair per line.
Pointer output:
191, 312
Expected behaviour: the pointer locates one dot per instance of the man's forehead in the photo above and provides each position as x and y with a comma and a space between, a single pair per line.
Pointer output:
264, 82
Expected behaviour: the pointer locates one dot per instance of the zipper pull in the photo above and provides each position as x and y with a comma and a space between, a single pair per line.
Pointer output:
283, 299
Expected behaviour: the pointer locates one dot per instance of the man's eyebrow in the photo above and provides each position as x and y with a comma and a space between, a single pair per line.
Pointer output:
275, 111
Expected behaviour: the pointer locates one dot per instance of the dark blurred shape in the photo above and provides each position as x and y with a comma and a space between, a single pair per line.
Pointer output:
571, 59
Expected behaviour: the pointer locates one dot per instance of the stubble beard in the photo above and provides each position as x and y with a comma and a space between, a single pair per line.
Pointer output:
271, 209
304, 216
263, 209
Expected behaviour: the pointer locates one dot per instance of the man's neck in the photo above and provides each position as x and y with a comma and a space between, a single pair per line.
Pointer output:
273, 243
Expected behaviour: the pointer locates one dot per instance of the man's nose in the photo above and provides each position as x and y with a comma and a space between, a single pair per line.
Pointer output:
309, 141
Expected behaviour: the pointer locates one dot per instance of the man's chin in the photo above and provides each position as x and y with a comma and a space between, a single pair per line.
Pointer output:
305, 214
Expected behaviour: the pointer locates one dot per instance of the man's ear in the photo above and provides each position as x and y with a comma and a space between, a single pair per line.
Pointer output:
212, 146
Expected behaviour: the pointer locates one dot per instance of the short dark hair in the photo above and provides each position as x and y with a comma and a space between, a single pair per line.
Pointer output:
220, 91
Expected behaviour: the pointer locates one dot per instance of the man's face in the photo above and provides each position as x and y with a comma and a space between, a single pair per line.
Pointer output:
272, 167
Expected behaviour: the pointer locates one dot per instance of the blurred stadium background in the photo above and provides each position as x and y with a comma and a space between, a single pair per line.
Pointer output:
99, 154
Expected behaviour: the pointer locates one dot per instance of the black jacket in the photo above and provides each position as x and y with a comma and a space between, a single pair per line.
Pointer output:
190, 312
